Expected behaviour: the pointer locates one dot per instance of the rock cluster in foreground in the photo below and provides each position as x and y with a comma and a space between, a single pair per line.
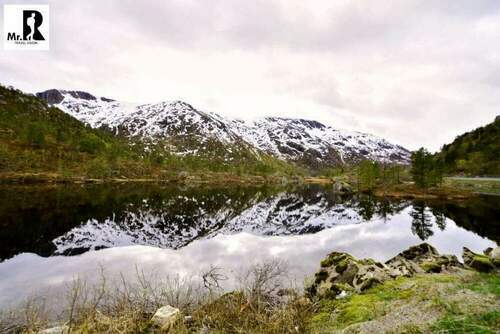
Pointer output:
341, 273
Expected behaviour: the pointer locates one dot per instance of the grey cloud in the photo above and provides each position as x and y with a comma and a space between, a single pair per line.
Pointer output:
388, 67
254, 24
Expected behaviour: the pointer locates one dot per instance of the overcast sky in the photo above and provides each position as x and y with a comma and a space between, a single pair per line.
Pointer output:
415, 72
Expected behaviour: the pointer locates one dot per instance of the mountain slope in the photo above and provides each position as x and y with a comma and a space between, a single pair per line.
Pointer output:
316, 144
41, 141
176, 125
475, 152
187, 130
37, 138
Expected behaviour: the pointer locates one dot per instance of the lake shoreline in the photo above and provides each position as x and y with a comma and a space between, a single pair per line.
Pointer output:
206, 178
403, 190
409, 191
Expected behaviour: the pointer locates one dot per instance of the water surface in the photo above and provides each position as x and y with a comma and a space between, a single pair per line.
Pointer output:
51, 234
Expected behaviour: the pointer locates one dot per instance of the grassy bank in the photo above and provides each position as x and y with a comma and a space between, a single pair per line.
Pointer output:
184, 177
194, 177
477, 185
460, 302
452, 188
464, 302
261, 304
409, 190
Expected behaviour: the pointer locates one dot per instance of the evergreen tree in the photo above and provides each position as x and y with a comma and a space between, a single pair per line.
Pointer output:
437, 172
422, 165
475, 152
35, 135
368, 173
91, 143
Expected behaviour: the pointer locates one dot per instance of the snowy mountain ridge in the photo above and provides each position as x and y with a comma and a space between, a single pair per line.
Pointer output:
305, 141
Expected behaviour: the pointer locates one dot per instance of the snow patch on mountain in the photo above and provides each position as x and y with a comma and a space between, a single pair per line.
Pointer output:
288, 138
306, 141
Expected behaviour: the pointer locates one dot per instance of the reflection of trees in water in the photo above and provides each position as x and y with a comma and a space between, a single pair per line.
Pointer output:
369, 207
424, 217
421, 224
439, 217
366, 207
479, 214
32, 216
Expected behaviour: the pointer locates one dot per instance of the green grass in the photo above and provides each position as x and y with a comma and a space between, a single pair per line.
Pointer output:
484, 323
359, 307
337, 314
474, 184
485, 283
455, 321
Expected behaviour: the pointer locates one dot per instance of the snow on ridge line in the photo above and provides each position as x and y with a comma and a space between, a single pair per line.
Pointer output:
285, 138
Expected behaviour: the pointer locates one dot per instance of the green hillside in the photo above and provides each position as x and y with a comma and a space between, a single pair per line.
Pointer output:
37, 138
474, 153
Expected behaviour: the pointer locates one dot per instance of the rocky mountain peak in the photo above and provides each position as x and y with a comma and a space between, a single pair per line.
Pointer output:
51, 96
297, 121
56, 96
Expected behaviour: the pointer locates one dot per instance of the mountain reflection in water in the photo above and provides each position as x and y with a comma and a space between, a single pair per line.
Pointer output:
73, 219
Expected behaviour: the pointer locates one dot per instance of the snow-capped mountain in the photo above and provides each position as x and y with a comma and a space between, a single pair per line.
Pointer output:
309, 142
316, 144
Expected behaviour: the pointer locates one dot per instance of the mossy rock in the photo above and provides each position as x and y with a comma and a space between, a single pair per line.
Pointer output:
423, 249
349, 273
367, 284
334, 258
321, 276
482, 264
337, 288
431, 267
494, 256
370, 262
326, 262
488, 251
342, 266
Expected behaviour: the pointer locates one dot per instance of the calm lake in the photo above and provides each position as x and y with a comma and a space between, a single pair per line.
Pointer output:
51, 234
